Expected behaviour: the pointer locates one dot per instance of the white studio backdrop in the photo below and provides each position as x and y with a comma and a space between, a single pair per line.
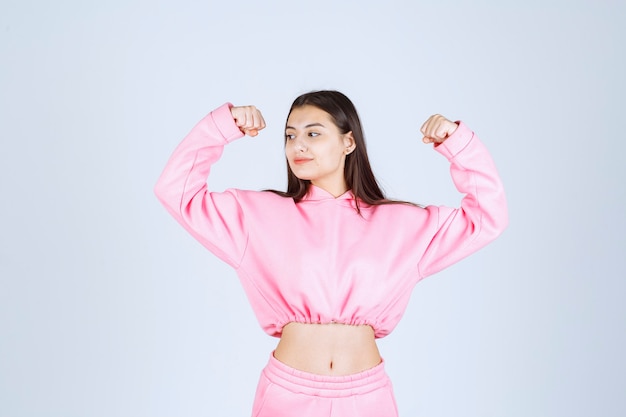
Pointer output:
108, 308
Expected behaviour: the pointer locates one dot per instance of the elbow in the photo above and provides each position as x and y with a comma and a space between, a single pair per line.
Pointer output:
504, 221
160, 191
164, 194
502, 215
497, 222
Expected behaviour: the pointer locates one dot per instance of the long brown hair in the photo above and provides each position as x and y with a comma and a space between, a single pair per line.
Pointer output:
357, 170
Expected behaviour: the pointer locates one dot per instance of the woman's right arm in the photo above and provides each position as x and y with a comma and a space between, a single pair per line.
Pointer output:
215, 219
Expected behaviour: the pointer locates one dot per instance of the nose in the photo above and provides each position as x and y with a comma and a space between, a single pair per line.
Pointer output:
299, 145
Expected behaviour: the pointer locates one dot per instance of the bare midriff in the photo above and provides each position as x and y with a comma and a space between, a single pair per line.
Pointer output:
328, 349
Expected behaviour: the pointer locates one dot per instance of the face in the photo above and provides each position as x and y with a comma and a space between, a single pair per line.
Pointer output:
316, 150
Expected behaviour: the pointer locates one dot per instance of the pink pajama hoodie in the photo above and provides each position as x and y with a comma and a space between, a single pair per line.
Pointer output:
318, 260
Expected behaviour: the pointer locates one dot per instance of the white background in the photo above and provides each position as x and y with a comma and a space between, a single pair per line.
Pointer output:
108, 308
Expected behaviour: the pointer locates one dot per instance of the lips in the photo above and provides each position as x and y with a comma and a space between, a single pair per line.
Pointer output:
299, 161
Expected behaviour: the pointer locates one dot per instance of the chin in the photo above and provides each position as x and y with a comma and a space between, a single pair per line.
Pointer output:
300, 176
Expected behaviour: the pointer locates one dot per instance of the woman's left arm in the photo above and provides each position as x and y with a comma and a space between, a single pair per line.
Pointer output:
483, 213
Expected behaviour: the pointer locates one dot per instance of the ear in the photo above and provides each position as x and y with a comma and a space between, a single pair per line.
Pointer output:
348, 141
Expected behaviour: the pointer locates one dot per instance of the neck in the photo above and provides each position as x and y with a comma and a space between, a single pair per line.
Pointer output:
335, 191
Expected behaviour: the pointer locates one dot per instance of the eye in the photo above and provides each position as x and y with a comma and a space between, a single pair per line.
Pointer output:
313, 134
289, 136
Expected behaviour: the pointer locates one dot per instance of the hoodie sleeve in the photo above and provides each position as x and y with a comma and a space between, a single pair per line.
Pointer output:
215, 219
483, 213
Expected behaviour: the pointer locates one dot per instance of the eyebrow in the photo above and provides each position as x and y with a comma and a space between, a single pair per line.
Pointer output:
307, 126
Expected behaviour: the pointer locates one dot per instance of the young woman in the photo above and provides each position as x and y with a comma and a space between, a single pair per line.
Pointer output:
329, 265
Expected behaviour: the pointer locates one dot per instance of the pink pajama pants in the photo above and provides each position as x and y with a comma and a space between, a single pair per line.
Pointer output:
287, 392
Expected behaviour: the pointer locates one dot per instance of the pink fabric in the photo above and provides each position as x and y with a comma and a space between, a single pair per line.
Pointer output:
319, 261
286, 392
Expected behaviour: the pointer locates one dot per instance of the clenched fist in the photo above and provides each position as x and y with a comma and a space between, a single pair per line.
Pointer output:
248, 118
437, 129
